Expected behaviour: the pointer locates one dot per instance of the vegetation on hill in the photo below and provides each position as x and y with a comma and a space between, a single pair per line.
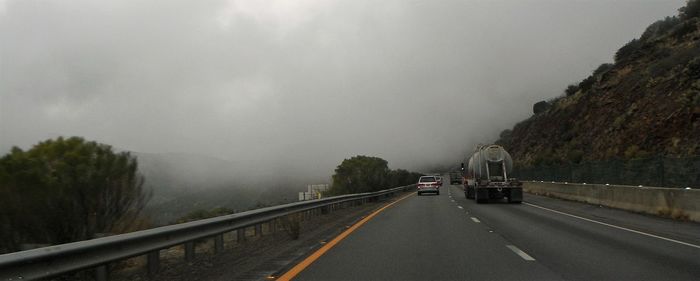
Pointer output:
645, 103
366, 174
67, 190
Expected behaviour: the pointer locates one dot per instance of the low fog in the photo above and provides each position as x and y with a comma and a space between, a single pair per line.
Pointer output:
294, 87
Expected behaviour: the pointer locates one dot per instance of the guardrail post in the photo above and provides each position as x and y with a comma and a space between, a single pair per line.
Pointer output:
240, 234
189, 251
273, 226
258, 230
218, 243
153, 262
101, 272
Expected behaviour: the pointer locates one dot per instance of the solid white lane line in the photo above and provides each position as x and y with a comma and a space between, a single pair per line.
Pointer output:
614, 226
520, 253
460, 207
475, 220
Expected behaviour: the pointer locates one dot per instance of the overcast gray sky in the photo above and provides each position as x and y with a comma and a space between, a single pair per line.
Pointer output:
298, 85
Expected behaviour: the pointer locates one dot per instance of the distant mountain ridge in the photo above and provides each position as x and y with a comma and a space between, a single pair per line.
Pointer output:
646, 103
191, 171
182, 183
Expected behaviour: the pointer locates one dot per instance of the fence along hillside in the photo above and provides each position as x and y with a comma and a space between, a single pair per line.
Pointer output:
657, 171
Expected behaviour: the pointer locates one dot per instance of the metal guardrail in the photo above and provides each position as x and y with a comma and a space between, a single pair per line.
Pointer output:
98, 253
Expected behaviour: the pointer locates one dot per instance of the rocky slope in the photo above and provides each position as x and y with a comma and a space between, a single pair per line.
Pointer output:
646, 103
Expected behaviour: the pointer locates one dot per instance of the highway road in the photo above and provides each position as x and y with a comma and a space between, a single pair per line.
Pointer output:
448, 237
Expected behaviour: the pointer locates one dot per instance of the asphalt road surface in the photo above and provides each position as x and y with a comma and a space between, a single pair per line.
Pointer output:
448, 237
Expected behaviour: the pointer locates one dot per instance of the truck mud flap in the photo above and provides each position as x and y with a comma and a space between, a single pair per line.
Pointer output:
515, 195
481, 195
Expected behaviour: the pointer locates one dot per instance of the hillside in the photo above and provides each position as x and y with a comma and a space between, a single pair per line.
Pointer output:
182, 183
646, 103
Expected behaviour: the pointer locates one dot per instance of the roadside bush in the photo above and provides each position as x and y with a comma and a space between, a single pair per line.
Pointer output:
402, 177
67, 190
292, 225
360, 174
366, 174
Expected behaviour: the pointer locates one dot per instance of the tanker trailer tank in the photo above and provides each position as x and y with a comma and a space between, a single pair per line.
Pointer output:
487, 176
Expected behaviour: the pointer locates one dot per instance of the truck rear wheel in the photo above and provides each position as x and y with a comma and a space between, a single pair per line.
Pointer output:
469, 193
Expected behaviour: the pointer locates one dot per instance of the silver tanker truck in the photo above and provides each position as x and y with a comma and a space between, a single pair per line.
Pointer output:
487, 176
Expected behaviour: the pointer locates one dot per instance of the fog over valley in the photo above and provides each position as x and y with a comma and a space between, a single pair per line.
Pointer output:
269, 92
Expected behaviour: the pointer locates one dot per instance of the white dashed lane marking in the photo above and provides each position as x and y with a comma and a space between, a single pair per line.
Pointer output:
475, 220
520, 253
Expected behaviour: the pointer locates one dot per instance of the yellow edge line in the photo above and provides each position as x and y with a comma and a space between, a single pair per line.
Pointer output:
313, 257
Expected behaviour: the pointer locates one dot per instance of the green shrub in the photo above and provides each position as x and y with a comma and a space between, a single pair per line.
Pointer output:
571, 90
540, 107
693, 68
628, 50
587, 83
402, 177
65, 190
690, 10
360, 174
659, 28
603, 68
684, 28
